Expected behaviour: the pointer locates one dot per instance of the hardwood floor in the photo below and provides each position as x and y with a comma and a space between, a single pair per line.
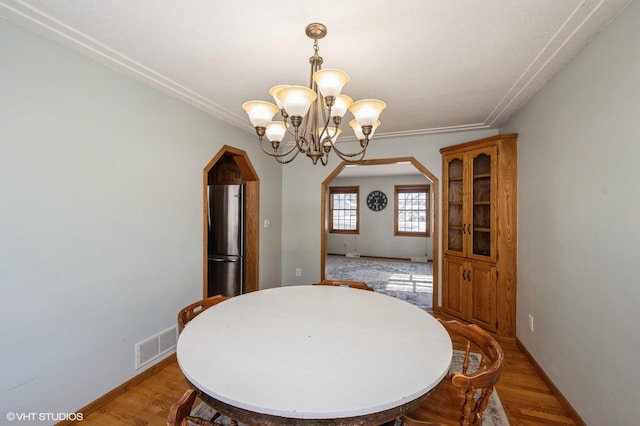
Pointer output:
526, 398
145, 404
524, 394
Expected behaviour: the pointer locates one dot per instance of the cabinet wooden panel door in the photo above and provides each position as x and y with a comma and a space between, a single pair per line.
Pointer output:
227, 174
481, 280
455, 300
469, 291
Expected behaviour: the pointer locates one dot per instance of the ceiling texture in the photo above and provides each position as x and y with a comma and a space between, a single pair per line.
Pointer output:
440, 65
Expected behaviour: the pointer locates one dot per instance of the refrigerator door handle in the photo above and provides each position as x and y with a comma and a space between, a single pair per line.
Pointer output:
208, 210
242, 195
218, 259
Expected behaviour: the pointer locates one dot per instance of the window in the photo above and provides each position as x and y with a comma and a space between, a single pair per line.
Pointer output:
343, 209
413, 210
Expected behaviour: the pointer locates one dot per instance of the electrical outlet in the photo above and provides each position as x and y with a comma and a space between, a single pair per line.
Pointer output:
531, 323
298, 272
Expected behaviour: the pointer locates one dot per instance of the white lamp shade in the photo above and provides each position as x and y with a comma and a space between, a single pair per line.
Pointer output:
274, 91
260, 113
296, 99
341, 105
358, 130
367, 111
330, 82
275, 131
331, 133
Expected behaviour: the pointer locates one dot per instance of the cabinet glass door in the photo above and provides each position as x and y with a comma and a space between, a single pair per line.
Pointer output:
482, 214
454, 212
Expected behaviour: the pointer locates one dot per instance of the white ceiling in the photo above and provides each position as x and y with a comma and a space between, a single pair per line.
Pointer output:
440, 65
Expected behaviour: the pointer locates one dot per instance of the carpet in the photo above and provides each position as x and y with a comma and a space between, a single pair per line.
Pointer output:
494, 415
409, 281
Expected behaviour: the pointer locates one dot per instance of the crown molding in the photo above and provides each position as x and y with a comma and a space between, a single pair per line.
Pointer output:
28, 17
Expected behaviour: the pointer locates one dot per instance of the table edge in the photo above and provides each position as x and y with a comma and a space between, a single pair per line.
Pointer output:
250, 417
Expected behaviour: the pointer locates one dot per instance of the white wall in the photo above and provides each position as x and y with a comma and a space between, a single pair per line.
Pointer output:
301, 196
376, 236
100, 220
579, 225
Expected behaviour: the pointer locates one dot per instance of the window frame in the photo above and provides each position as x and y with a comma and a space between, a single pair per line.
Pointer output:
344, 190
403, 189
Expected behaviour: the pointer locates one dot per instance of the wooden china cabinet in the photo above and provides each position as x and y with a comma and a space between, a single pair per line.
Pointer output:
479, 232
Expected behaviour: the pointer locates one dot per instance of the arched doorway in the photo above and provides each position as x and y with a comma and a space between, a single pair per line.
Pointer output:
387, 161
245, 172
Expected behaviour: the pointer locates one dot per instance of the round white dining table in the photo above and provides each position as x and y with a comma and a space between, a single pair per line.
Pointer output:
314, 354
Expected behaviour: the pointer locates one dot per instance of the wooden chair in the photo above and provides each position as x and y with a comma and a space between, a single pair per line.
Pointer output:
188, 313
179, 413
341, 283
462, 396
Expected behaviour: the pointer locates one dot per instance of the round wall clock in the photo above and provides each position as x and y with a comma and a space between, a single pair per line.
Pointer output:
376, 200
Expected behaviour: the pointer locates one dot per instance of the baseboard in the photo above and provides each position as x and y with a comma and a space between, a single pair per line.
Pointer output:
401, 259
574, 414
126, 386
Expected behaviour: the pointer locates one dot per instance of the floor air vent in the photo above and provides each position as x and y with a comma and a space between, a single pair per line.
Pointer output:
156, 346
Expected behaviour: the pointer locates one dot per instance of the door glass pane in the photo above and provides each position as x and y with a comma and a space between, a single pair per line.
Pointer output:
482, 205
482, 165
454, 205
455, 169
455, 239
482, 243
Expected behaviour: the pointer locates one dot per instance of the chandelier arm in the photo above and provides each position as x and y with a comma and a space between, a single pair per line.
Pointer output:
325, 127
349, 154
279, 160
349, 157
288, 129
303, 131
313, 122
325, 119
298, 139
301, 142
276, 154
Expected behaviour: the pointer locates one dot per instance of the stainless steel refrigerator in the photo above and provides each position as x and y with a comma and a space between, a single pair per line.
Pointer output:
226, 244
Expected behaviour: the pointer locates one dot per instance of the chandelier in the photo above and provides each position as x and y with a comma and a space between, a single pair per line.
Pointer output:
312, 115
